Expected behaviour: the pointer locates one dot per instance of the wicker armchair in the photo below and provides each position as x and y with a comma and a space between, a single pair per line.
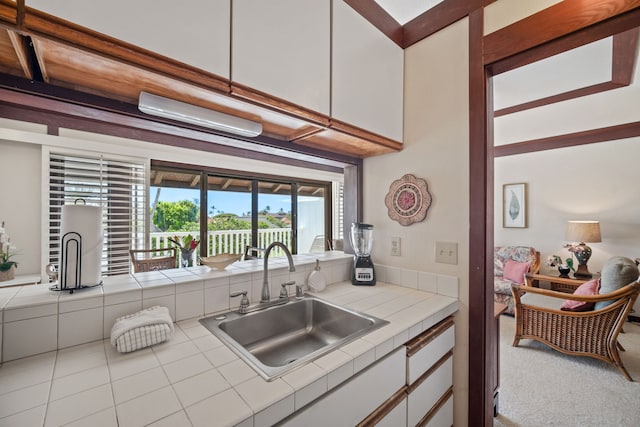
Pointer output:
501, 285
143, 259
589, 333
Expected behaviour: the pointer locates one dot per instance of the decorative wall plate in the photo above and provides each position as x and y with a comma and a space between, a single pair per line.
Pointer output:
408, 200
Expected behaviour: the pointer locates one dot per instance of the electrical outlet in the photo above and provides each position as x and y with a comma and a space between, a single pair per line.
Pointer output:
447, 252
395, 246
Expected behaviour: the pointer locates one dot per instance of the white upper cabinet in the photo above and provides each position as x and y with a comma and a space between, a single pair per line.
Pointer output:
196, 32
282, 47
367, 75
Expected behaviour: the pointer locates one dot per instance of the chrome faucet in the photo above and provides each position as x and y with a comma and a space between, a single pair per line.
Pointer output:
266, 294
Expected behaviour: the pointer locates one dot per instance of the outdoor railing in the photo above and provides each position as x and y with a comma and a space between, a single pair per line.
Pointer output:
229, 241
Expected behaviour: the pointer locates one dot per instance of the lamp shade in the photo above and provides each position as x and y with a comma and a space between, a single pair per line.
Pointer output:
583, 231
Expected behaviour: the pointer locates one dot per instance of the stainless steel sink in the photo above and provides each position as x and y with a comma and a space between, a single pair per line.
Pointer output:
277, 339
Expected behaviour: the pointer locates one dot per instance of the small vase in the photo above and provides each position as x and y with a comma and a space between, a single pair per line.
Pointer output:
9, 274
187, 257
564, 270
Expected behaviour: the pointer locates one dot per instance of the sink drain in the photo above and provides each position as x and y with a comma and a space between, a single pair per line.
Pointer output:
291, 361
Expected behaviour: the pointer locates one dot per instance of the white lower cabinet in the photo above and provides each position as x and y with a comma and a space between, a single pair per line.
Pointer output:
352, 401
413, 386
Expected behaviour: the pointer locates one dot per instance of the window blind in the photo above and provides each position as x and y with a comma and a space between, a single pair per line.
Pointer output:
118, 186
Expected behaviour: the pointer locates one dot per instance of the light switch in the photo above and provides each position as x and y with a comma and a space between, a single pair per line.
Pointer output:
447, 252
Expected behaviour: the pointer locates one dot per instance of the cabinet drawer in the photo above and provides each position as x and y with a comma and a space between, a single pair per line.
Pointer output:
443, 416
429, 390
392, 413
427, 348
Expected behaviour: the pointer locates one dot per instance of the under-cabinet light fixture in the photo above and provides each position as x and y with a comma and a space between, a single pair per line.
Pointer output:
176, 110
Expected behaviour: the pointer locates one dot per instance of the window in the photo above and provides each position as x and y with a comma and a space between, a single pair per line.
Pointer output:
239, 210
117, 185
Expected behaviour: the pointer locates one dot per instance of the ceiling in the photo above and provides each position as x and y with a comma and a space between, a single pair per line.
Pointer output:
404, 11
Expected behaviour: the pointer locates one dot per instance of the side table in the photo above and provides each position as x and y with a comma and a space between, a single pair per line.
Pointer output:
561, 284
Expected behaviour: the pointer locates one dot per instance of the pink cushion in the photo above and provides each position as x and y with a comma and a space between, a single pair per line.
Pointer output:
587, 288
515, 271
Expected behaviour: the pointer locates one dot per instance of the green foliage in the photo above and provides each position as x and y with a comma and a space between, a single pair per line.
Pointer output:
228, 222
177, 216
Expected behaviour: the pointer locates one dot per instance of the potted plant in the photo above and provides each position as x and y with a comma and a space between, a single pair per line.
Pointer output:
563, 267
187, 247
7, 266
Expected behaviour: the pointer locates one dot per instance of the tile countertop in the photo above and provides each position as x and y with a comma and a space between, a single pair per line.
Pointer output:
195, 380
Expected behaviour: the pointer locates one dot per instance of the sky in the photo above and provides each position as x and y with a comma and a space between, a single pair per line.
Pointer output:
227, 202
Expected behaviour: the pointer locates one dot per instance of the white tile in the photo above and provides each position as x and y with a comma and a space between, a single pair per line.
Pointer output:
42, 333
216, 299
362, 352
381, 273
170, 352
75, 359
227, 408
79, 405
186, 367
189, 304
166, 301
428, 282
189, 286
178, 419
122, 293
81, 300
410, 278
26, 372
23, 399
394, 275
448, 285
79, 327
384, 348
275, 412
200, 387
158, 289
220, 356
29, 311
133, 363
196, 330
260, 394
310, 392
112, 312
105, 418
139, 384
30, 417
216, 282
78, 382
236, 372
338, 365
148, 408
207, 342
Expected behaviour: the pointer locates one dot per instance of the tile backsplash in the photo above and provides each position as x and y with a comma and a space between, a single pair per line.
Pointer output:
54, 320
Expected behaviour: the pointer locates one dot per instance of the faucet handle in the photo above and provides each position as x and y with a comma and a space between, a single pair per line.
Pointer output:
283, 289
244, 302
300, 291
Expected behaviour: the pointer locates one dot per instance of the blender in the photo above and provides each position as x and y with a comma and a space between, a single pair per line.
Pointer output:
361, 241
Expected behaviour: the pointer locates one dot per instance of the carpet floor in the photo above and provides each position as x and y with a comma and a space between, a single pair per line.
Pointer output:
540, 386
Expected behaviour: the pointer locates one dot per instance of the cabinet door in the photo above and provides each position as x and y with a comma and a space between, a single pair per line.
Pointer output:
195, 32
282, 47
352, 401
367, 75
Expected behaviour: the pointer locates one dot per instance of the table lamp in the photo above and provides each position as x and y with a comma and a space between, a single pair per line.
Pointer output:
583, 232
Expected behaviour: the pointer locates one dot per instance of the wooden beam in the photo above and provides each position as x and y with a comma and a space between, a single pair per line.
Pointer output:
566, 17
226, 184
158, 180
195, 181
379, 18
22, 51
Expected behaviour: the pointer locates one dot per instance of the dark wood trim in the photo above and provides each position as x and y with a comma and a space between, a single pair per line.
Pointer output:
277, 104
56, 114
383, 410
419, 342
379, 18
364, 134
439, 404
437, 18
9, 11
625, 51
611, 133
563, 20
38, 23
577, 93
481, 358
411, 388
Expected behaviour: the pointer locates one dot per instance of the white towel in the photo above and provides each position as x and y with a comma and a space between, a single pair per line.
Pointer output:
142, 329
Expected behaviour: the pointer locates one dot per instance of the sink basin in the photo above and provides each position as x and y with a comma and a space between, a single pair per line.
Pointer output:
277, 339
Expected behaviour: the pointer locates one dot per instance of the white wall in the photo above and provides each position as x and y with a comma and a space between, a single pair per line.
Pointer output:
436, 149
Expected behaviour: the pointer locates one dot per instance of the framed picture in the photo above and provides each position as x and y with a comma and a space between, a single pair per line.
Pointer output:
514, 205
